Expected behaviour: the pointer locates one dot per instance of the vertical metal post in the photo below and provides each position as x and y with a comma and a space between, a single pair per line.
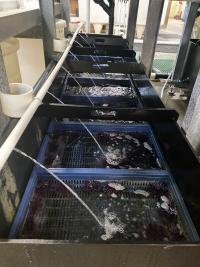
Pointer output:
111, 16
151, 33
192, 104
192, 119
4, 87
65, 10
181, 57
3, 76
132, 19
88, 16
49, 27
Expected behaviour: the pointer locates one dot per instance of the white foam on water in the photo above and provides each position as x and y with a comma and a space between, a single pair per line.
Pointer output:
164, 199
117, 186
112, 225
165, 206
158, 162
165, 203
136, 235
113, 195
109, 91
141, 192
147, 146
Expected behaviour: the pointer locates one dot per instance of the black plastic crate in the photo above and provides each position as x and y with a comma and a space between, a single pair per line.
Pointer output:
102, 41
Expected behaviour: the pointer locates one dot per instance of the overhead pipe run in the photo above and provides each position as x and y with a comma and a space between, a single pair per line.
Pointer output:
20, 127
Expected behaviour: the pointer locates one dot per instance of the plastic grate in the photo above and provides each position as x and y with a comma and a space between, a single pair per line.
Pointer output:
77, 149
102, 75
55, 214
102, 91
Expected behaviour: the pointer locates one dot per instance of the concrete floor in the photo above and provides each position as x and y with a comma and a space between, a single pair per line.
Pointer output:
170, 33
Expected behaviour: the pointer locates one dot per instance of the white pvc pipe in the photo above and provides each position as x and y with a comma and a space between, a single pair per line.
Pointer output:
166, 82
20, 127
87, 16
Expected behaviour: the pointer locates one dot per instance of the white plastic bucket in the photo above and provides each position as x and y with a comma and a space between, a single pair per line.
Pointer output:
60, 45
98, 27
15, 103
60, 28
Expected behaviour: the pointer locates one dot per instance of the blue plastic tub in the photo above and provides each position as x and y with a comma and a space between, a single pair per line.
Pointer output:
81, 154
49, 211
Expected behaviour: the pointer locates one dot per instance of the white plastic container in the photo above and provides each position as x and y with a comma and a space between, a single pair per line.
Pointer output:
60, 28
60, 45
8, 5
9, 51
15, 103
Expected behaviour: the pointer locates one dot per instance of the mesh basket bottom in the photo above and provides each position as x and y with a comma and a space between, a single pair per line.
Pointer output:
101, 91
122, 150
102, 75
141, 211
